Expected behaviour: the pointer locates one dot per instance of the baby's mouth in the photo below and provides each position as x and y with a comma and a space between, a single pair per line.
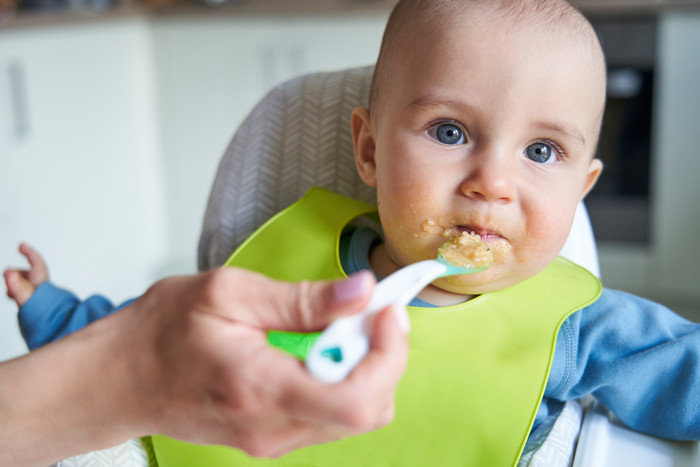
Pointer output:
500, 246
447, 230
486, 235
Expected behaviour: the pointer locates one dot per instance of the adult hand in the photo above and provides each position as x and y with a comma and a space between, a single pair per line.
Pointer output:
190, 360
219, 381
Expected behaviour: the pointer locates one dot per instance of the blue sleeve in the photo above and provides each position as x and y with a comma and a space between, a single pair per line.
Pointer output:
52, 313
638, 358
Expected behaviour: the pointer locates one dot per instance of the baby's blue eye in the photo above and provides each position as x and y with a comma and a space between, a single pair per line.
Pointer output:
447, 133
541, 153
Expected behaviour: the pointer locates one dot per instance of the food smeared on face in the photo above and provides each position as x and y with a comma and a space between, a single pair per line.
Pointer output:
467, 250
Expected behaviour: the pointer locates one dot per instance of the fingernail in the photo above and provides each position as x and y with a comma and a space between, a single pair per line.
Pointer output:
351, 288
402, 318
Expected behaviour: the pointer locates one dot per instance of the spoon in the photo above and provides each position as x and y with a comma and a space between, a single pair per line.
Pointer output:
342, 345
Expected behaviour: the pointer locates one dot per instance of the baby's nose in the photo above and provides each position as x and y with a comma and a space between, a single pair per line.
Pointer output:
489, 179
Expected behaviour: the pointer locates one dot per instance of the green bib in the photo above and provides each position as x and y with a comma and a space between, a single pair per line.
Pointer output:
476, 371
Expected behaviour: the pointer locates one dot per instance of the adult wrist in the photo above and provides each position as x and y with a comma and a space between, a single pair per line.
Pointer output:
68, 395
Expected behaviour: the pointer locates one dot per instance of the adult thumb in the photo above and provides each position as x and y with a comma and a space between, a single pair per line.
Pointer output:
311, 306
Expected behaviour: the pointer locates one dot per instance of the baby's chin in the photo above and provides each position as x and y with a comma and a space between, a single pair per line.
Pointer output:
491, 280
460, 285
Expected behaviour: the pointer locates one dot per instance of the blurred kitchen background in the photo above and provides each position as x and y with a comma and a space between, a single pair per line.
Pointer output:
114, 114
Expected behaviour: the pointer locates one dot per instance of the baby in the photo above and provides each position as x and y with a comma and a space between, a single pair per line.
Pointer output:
484, 118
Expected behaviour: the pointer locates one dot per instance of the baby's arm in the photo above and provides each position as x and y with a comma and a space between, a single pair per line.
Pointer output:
639, 359
21, 283
48, 313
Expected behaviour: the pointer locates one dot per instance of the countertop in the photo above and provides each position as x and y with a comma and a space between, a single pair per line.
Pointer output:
194, 8
200, 8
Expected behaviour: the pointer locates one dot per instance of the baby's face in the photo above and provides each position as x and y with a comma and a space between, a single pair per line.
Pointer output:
486, 131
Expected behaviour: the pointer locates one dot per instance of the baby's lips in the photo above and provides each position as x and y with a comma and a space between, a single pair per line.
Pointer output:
490, 237
487, 234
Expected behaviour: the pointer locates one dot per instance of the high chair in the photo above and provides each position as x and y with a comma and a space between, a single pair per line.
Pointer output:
297, 137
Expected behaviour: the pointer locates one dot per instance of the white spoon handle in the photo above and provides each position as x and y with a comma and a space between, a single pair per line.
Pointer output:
346, 341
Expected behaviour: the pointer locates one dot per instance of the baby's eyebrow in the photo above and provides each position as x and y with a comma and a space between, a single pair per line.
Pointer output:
568, 131
431, 100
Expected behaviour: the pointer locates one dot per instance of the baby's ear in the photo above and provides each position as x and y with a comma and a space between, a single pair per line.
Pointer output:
364, 144
594, 170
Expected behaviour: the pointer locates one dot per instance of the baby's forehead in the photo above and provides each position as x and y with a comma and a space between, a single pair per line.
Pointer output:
525, 35
426, 19
553, 28
441, 26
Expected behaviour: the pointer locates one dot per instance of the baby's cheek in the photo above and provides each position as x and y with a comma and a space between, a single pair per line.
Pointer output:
550, 226
541, 249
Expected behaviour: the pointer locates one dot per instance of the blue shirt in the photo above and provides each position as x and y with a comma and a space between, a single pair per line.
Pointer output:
52, 313
637, 357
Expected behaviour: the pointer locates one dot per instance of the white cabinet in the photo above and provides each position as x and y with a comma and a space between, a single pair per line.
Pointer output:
210, 74
81, 178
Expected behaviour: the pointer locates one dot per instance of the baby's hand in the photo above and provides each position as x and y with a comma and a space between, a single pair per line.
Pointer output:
22, 283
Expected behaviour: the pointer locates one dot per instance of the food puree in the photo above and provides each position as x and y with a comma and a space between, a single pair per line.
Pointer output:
467, 250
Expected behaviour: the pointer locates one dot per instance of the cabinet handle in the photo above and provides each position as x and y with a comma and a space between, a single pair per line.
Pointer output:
18, 96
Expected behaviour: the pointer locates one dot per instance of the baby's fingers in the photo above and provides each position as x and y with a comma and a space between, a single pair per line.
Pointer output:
18, 288
38, 272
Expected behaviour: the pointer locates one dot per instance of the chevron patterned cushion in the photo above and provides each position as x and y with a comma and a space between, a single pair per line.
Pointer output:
133, 453
298, 136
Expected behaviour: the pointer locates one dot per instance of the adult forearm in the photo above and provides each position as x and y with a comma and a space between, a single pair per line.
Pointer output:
65, 399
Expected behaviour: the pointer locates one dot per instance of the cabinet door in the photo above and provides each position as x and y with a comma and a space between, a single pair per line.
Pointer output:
327, 43
85, 174
11, 342
209, 74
